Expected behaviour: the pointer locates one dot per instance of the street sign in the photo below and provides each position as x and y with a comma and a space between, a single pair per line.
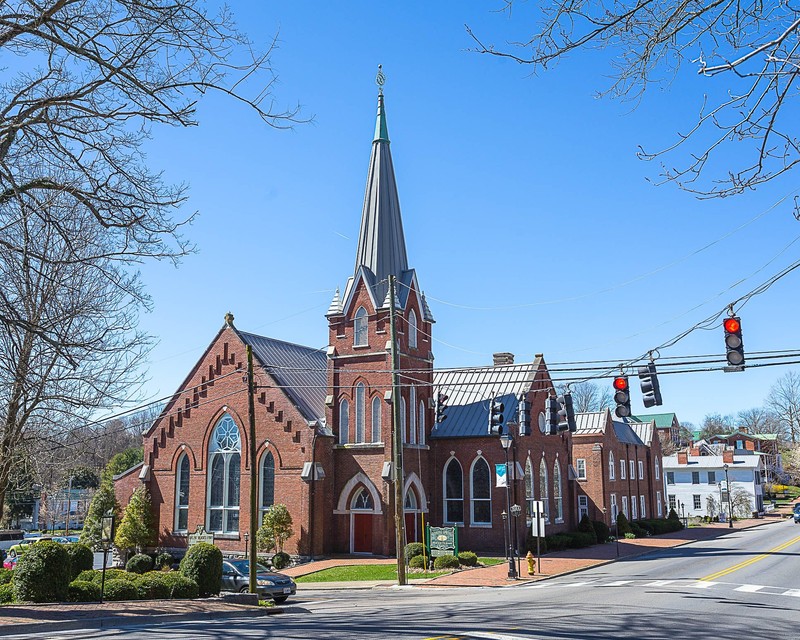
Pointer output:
537, 518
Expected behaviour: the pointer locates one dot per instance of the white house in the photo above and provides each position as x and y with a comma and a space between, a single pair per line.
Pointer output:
692, 479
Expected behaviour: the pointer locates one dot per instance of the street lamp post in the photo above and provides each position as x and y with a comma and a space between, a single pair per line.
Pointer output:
719, 485
69, 507
505, 442
730, 504
106, 537
246, 548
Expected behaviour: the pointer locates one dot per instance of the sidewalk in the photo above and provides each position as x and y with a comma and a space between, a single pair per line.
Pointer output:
22, 619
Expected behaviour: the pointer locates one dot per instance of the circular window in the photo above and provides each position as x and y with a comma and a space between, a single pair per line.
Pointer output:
542, 422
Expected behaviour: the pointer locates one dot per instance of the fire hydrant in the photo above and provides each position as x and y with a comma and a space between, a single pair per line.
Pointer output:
531, 563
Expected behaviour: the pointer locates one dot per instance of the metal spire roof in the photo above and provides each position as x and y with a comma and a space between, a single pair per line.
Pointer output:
381, 242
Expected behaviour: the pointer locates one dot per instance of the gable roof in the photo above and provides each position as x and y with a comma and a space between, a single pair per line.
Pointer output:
470, 390
662, 420
592, 422
625, 434
644, 430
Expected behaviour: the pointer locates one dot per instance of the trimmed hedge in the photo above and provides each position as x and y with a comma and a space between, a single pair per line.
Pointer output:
139, 563
657, 526
530, 543
6, 593
163, 561
601, 530
43, 573
180, 586
113, 574
83, 591
120, 590
152, 586
446, 562
572, 540
468, 559
6, 575
281, 560
414, 549
86, 576
81, 558
417, 562
639, 531
203, 564
586, 526
623, 526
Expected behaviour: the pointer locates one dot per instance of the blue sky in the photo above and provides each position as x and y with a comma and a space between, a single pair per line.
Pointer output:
516, 191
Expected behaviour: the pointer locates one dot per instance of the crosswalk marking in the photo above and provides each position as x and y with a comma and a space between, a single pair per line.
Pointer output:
616, 583
749, 588
659, 583
702, 584
792, 592
575, 584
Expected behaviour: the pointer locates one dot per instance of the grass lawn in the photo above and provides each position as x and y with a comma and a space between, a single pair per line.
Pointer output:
490, 562
355, 572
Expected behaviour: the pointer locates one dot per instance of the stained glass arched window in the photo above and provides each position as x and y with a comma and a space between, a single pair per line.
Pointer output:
224, 461
182, 494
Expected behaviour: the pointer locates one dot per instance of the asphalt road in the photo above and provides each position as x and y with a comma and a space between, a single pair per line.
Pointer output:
743, 585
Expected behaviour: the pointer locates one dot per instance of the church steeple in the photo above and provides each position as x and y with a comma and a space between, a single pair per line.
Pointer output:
381, 243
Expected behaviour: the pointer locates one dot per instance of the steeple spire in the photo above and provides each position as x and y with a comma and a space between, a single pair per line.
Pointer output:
381, 243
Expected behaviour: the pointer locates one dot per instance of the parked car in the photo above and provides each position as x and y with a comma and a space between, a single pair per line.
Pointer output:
236, 577
10, 562
797, 517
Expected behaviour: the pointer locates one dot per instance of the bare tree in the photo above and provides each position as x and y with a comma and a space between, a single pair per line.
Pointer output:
784, 400
753, 45
715, 424
760, 420
588, 396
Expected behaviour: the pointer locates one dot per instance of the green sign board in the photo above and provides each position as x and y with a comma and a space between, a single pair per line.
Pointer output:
200, 535
443, 541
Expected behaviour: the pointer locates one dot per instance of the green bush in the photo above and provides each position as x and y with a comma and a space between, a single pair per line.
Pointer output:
120, 590
43, 574
84, 591
468, 559
203, 564
6, 593
86, 576
164, 560
6, 575
673, 515
446, 562
581, 539
530, 543
140, 563
658, 526
630, 536
586, 526
623, 526
638, 530
414, 549
153, 586
601, 530
113, 574
81, 558
281, 560
417, 562
558, 542
180, 586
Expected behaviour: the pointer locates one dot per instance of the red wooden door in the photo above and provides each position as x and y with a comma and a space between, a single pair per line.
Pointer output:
362, 533
412, 534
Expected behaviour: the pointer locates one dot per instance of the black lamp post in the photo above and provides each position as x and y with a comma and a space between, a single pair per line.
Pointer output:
246, 548
730, 504
106, 537
505, 442
719, 484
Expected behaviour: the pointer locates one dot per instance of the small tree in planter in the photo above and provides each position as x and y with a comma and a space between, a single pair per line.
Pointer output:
136, 529
275, 530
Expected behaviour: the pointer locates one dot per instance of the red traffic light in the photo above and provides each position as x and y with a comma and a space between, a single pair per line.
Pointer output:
621, 383
732, 325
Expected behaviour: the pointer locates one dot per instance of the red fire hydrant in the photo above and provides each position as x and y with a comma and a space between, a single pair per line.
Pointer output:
531, 563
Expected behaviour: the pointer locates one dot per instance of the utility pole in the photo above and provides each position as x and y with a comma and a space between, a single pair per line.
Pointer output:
397, 443
251, 386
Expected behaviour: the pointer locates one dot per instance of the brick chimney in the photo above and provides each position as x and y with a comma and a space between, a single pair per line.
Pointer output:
503, 358
683, 457
695, 451
727, 456
749, 445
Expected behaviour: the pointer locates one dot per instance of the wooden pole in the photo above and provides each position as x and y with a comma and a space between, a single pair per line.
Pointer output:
251, 386
397, 443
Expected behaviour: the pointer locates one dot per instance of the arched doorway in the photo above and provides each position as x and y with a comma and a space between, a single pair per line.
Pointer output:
411, 510
362, 507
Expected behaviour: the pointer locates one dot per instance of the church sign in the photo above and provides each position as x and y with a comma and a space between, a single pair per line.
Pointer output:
443, 541
200, 535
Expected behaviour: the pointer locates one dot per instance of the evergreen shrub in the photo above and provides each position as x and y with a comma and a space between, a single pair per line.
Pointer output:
468, 559
415, 549
6, 593
81, 558
153, 586
446, 562
180, 586
586, 526
43, 574
281, 560
601, 530
84, 591
417, 562
6, 575
139, 563
203, 564
120, 590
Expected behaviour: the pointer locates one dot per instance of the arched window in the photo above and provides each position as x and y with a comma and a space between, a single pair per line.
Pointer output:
344, 422
410, 503
557, 500
224, 461
422, 422
453, 492
362, 500
267, 484
403, 419
412, 329
360, 336
530, 496
544, 495
611, 471
361, 418
182, 494
376, 419
412, 427
658, 471
481, 492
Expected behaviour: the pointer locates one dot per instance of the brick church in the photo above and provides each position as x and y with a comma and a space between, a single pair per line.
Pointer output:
323, 422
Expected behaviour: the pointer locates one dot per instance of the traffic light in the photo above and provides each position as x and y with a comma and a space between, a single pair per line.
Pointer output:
496, 426
566, 415
441, 407
734, 348
551, 414
622, 396
651, 392
524, 417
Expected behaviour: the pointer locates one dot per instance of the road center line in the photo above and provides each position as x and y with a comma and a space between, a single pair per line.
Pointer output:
748, 562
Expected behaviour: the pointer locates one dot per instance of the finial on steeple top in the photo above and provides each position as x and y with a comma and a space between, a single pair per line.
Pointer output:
229, 319
380, 79
381, 130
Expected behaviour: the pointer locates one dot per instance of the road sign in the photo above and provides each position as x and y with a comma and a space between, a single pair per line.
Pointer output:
537, 518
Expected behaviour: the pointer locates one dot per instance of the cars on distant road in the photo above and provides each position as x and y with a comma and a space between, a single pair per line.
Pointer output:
236, 577
797, 517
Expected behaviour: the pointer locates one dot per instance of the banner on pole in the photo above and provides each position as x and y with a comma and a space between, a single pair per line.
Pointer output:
501, 474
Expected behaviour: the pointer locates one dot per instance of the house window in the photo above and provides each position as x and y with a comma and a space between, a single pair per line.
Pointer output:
695, 477
376, 419
224, 462
412, 329
672, 503
453, 492
412, 415
182, 495
670, 477
583, 507
696, 499
622, 467
641, 470
625, 506
659, 508
544, 494
634, 510
267, 485
360, 335
641, 505
611, 468
739, 444
658, 471
480, 491
614, 508
344, 422
422, 422
403, 419
633, 470
581, 462
557, 499
361, 418
530, 497
712, 477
